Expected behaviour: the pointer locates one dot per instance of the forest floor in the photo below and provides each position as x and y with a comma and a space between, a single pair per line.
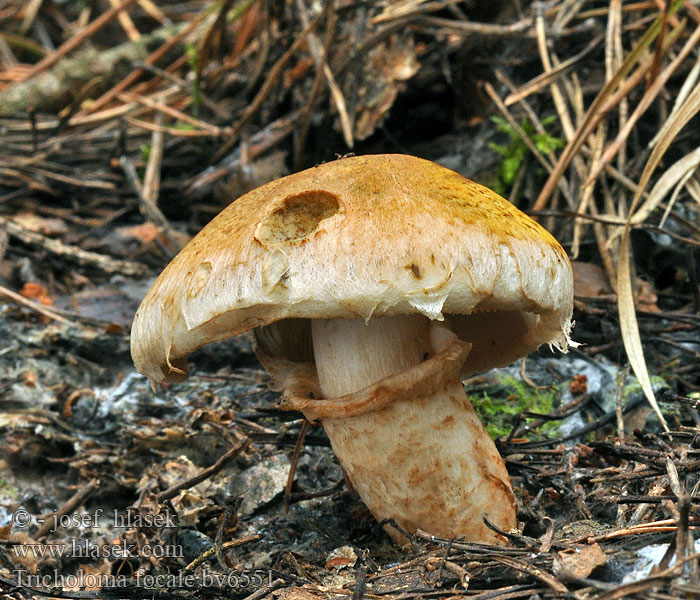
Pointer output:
125, 126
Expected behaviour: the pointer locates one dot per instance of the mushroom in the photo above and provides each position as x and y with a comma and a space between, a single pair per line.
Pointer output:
373, 284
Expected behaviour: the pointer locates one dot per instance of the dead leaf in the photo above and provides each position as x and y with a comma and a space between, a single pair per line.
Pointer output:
189, 507
578, 385
579, 561
645, 296
165, 438
29, 378
149, 232
589, 280
388, 66
36, 291
297, 72
341, 557
144, 233
337, 563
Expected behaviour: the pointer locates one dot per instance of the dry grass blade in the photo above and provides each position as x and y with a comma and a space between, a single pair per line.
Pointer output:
535, 85
488, 88
625, 296
629, 327
693, 188
153, 11
586, 198
272, 77
31, 10
557, 96
688, 85
153, 58
677, 172
319, 57
646, 101
76, 40
126, 23
603, 102
668, 133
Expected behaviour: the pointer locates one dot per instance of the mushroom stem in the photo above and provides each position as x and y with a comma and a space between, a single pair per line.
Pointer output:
428, 462
351, 355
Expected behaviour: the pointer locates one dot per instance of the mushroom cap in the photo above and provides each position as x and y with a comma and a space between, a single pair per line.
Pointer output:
362, 237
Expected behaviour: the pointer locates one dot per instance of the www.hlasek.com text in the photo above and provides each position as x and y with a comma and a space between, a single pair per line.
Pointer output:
89, 549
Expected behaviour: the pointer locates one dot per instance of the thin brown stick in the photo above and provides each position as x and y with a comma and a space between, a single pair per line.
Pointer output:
293, 464
67, 507
205, 474
652, 91
69, 45
151, 60
256, 145
126, 23
147, 203
83, 257
174, 132
322, 64
533, 571
544, 79
207, 554
151, 178
171, 112
35, 306
264, 91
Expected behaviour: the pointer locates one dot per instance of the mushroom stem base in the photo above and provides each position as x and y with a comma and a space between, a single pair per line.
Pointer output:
426, 462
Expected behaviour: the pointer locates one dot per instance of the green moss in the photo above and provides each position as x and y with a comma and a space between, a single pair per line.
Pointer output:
515, 151
7, 490
634, 387
498, 410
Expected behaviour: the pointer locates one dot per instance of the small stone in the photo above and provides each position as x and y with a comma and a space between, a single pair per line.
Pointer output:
259, 484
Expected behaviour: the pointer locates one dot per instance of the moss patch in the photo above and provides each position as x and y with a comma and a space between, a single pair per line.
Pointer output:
499, 408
